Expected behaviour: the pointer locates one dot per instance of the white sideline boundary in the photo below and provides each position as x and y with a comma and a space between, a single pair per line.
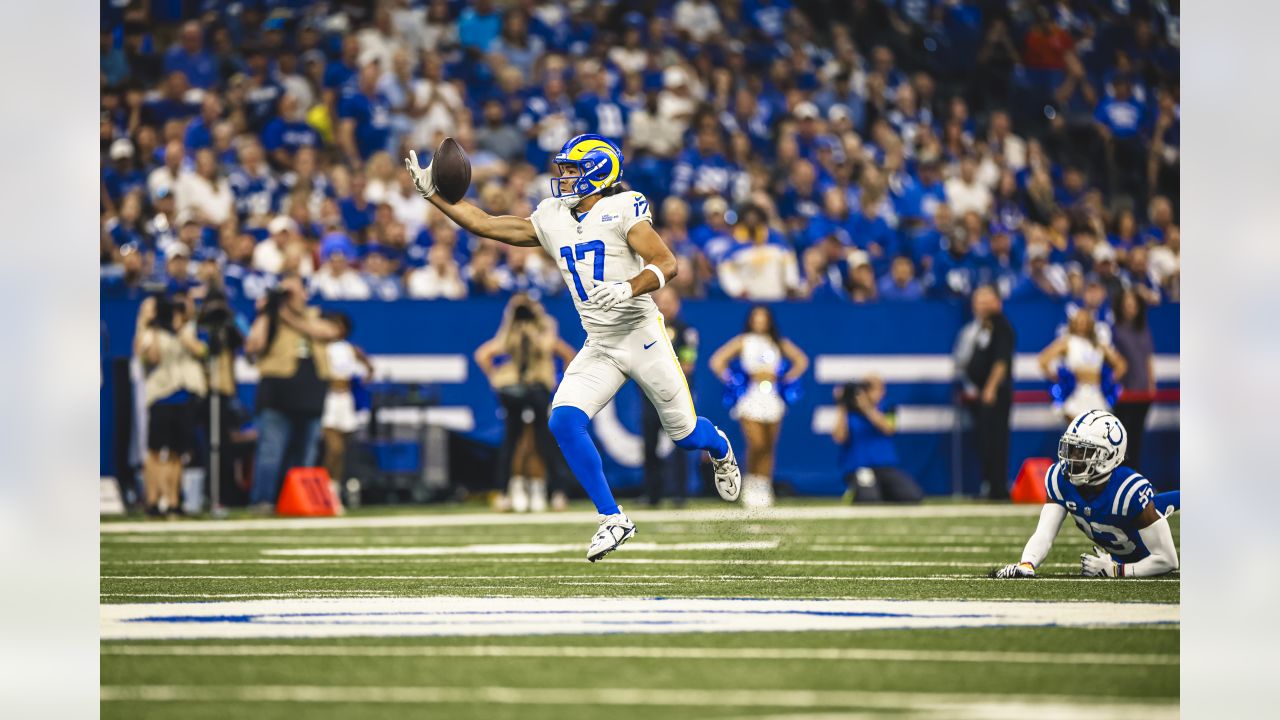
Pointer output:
477, 616
429, 519
642, 653
956, 706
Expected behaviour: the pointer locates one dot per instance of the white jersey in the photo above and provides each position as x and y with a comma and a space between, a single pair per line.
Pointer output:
594, 249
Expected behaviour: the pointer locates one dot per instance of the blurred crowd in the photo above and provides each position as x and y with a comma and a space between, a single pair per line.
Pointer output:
862, 150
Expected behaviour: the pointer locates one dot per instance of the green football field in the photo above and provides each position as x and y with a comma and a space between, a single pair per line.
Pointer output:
806, 611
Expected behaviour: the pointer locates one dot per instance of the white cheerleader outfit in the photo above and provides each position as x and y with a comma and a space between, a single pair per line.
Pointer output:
1083, 355
761, 402
340, 405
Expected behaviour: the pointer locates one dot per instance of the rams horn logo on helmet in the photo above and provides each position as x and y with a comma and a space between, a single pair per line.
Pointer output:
599, 163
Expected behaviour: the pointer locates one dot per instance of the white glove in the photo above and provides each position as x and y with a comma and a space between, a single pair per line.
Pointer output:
423, 178
1011, 572
606, 295
1099, 565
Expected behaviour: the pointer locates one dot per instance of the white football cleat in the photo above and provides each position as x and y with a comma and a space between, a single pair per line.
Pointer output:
614, 530
728, 476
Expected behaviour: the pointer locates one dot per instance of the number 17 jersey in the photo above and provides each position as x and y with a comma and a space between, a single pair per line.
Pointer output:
591, 249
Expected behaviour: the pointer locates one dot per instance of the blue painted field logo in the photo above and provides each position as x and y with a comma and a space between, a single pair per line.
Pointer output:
475, 617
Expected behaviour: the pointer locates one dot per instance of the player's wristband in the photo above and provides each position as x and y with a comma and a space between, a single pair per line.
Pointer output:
662, 279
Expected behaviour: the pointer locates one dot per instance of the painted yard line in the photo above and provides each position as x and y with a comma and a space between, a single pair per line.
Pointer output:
649, 697
901, 549
364, 593
729, 514
789, 578
513, 549
574, 561
642, 653
777, 532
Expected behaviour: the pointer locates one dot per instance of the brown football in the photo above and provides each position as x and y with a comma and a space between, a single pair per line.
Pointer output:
451, 170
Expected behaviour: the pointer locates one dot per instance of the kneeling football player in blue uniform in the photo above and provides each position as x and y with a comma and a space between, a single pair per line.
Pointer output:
1113, 505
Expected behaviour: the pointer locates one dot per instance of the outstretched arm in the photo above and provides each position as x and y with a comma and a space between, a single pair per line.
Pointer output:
1038, 545
508, 229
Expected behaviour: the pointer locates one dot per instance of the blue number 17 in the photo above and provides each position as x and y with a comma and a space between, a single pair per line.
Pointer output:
580, 251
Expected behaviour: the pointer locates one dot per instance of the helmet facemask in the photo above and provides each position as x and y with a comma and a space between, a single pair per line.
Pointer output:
1085, 462
576, 193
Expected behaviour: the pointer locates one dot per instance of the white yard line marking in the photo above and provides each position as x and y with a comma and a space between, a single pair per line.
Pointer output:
728, 514
955, 549
513, 549
483, 616
642, 653
890, 578
561, 561
956, 705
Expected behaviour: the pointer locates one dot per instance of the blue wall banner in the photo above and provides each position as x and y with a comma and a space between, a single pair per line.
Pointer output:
908, 344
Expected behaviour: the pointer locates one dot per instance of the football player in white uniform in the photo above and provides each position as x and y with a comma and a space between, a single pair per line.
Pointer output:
601, 236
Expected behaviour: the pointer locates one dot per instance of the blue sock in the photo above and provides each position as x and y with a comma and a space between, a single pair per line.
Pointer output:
704, 437
569, 426
1166, 500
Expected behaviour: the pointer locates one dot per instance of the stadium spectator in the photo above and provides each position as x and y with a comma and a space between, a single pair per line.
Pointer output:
1133, 342
204, 191
868, 460
337, 279
166, 176
380, 272
984, 355
170, 352
758, 365
706, 106
440, 278
760, 266
288, 340
965, 193
901, 283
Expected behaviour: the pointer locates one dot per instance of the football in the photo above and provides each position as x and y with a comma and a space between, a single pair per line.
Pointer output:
451, 169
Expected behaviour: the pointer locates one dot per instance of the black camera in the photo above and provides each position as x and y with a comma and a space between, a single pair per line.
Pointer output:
276, 297
523, 313
218, 322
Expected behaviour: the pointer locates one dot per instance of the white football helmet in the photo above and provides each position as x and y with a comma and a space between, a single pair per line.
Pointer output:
1093, 445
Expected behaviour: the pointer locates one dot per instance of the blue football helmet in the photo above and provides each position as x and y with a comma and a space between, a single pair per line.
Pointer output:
599, 163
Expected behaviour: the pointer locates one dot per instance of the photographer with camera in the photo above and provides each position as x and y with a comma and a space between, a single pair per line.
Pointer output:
520, 364
174, 381
868, 458
221, 413
289, 339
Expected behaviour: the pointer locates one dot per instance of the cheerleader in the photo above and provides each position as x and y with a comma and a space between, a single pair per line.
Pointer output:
1085, 370
763, 366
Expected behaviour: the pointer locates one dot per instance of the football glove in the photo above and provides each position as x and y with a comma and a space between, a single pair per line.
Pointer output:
1010, 572
606, 295
1099, 565
423, 178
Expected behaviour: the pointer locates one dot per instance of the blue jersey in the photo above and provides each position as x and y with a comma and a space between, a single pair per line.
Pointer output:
1110, 518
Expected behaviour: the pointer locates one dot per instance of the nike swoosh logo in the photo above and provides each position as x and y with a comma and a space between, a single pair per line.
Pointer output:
646, 347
